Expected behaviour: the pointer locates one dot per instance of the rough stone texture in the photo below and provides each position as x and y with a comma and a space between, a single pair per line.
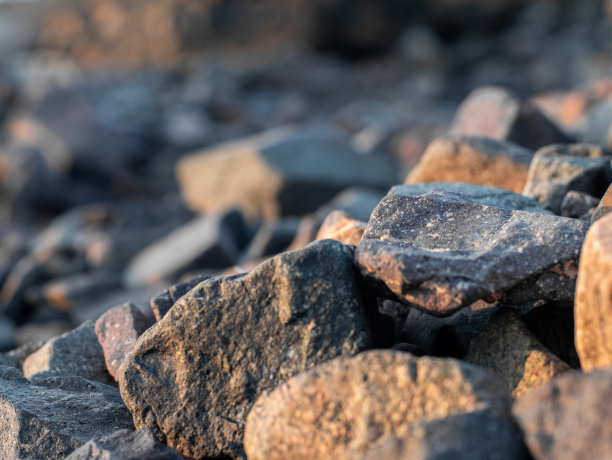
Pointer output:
194, 376
278, 173
555, 170
441, 251
568, 418
593, 307
344, 407
161, 303
126, 445
51, 419
75, 353
473, 159
578, 205
605, 205
205, 242
507, 348
340, 227
471, 436
118, 330
494, 112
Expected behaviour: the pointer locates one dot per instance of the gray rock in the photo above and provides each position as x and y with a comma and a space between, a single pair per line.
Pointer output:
578, 205
126, 445
284, 172
17, 356
471, 436
442, 251
555, 170
161, 303
52, 419
7, 334
194, 375
568, 418
599, 125
75, 353
205, 242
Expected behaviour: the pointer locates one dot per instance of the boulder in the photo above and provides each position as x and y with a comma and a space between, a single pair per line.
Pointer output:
345, 407
442, 251
193, 377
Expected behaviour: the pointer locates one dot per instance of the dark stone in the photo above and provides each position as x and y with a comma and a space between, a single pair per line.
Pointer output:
272, 238
567, 418
7, 334
17, 356
605, 205
126, 445
53, 418
161, 303
599, 126
193, 377
578, 205
442, 251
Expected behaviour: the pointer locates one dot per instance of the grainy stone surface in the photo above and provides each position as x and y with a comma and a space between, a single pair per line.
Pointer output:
473, 159
442, 251
161, 303
126, 445
278, 173
117, 331
507, 348
344, 407
194, 376
568, 418
340, 227
593, 307
51, 419
75, 353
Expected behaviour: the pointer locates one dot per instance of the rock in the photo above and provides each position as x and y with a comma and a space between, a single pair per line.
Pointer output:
339, 226
16, 356
599, 128
271, 238
494, 112
578, 204
567, 417
52, 419
593, 304
205, 242
507, 348
117, 331
557, 169
161, 303
343, 408
277, 174
442, 251
76, 353
292, 312
470, 436
605, 205
126, 445
7, 334
473, 159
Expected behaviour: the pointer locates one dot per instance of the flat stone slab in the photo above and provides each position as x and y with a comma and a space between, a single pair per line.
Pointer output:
442, 251
193, 377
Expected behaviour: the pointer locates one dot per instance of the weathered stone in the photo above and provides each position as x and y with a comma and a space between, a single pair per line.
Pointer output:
507, 348
126, 445
346, 406
292, 312
340, 227
205, 242
161, 303
117, 331
442, 251
473, 159
495, 112
277, 174
605, 205
471, 436
76, 353
567, 418
53, 418
593, 307
578, 205
557, 169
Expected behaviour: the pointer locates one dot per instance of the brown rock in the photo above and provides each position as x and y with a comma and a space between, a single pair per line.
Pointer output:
495, 112
344, 407
473, 159
507, 348
117, 331
593, 306
339, 226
